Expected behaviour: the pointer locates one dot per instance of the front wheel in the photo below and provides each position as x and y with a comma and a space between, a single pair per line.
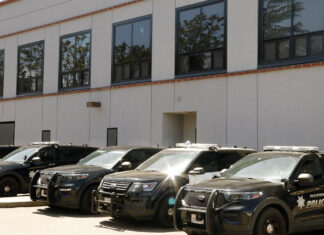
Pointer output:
164, 216
8, 187
86, 198
271, 222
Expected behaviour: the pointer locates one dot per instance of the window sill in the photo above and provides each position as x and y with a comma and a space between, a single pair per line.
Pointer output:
288, 62
62, 90
29, 94
198, 74
130, 82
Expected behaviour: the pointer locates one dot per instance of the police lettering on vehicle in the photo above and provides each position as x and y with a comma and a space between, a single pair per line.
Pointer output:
317, 203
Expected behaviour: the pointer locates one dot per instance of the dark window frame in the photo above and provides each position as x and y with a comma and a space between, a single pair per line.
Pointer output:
209, 71
14, 130
116, 140
60, 88
18, 93
3, 68
46, 131
132, 22
292, 60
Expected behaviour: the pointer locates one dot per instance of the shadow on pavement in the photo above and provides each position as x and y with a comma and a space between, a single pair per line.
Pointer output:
124, 225
63, 212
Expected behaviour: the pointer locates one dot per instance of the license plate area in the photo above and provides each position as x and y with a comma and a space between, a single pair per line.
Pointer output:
197, 219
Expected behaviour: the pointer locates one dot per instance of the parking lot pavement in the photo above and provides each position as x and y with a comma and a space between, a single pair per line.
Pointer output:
47, 221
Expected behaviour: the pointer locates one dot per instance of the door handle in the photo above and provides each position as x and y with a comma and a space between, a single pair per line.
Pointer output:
51, 164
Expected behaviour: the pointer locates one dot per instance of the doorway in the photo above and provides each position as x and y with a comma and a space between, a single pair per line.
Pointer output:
7, 133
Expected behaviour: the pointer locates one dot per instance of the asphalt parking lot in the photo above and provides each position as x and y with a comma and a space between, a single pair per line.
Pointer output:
45, 220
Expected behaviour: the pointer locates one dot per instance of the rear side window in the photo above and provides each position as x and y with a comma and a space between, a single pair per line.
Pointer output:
73, 155
208, 161
136, 157
225, 160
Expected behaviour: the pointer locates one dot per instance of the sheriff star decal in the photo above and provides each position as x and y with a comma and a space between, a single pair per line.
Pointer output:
301, 202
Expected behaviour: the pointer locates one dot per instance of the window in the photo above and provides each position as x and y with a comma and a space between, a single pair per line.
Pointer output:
1, 72
208, 161
132, 50
311, 166
30, 68
46, 135
136, 157
75, 61
112, 137
292, 31
201, 38
225, 160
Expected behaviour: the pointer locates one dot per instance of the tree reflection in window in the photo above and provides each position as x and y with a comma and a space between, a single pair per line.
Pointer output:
30, 68
1, 72
290, 31
201, 32
132, 51
75, 60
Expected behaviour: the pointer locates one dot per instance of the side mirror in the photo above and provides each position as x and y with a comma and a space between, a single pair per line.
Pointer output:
222, 171
125, 166
197, 171
36, 160
305, 178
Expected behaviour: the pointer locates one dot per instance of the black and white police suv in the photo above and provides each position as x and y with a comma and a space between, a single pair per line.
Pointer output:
17, 167
148, 192
275, 192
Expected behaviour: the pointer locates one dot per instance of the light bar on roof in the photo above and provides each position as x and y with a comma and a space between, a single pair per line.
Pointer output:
190, 145
45, 143
291, 148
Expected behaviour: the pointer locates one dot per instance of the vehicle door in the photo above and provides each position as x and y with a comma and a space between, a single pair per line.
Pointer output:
44, 158
135, 157
307, 199
209, 162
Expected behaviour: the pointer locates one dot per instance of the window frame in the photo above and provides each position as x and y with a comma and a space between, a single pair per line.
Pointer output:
61, 89
291, 60
42, 75
125, 22
4, 58
210, 71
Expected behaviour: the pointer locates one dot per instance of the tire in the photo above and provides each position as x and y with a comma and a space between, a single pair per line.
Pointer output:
85, 203
162, 216
9, 187
271, 222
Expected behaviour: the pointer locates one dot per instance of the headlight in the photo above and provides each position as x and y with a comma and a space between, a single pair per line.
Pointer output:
241, 196
139, 187
72, 177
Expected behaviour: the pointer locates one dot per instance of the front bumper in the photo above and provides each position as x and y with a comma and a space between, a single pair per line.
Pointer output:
123, 205
228, 219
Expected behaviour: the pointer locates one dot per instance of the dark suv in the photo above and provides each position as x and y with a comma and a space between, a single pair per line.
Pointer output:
275, 192
17, 168
6, 149
149, 191
71, 186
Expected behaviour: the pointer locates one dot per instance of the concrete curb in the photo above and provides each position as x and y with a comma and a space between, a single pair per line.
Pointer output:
19, 202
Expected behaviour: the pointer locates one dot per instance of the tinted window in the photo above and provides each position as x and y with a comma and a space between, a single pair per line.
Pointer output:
208, 161
136, 157
200, 42
47, 155
75, 60
71, 155
1, 71
30, 68
311, 166
227, 159
132, 50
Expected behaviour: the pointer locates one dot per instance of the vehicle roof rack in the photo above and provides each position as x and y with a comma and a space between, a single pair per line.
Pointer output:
291, 148
45, 143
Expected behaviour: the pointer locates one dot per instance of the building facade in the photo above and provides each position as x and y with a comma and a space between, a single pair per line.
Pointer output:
156, 72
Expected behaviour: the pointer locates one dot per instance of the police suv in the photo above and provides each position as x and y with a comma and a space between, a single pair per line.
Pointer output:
148, 192
275, 192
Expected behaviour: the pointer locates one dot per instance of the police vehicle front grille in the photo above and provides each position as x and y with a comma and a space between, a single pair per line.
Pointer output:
196, 199
113, 186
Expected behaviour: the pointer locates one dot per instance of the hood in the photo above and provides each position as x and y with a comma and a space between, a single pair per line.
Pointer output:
76, 169
138, 176
238, 185
8, 166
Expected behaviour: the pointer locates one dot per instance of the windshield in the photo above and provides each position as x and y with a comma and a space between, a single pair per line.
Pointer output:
21, 154
172, 162
264, 166
104, 157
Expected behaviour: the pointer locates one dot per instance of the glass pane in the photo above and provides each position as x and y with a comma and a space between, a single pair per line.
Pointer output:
78, 79
68, 52
33, 84
189, 30
207, 60
184, 64
145, 69
126, 71
218, 59
141, 49
194, 62
212, 25
70, 80
24, 62
123, 36
36, 64
316, 45
277, 18
118, 73
301, 46
269, 51
136, 71
308, 16
39, 84
85, 78
64, 80
82, 55
283, 49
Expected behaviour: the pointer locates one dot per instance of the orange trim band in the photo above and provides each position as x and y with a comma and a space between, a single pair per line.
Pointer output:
7, 2
68, 19
152, 83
